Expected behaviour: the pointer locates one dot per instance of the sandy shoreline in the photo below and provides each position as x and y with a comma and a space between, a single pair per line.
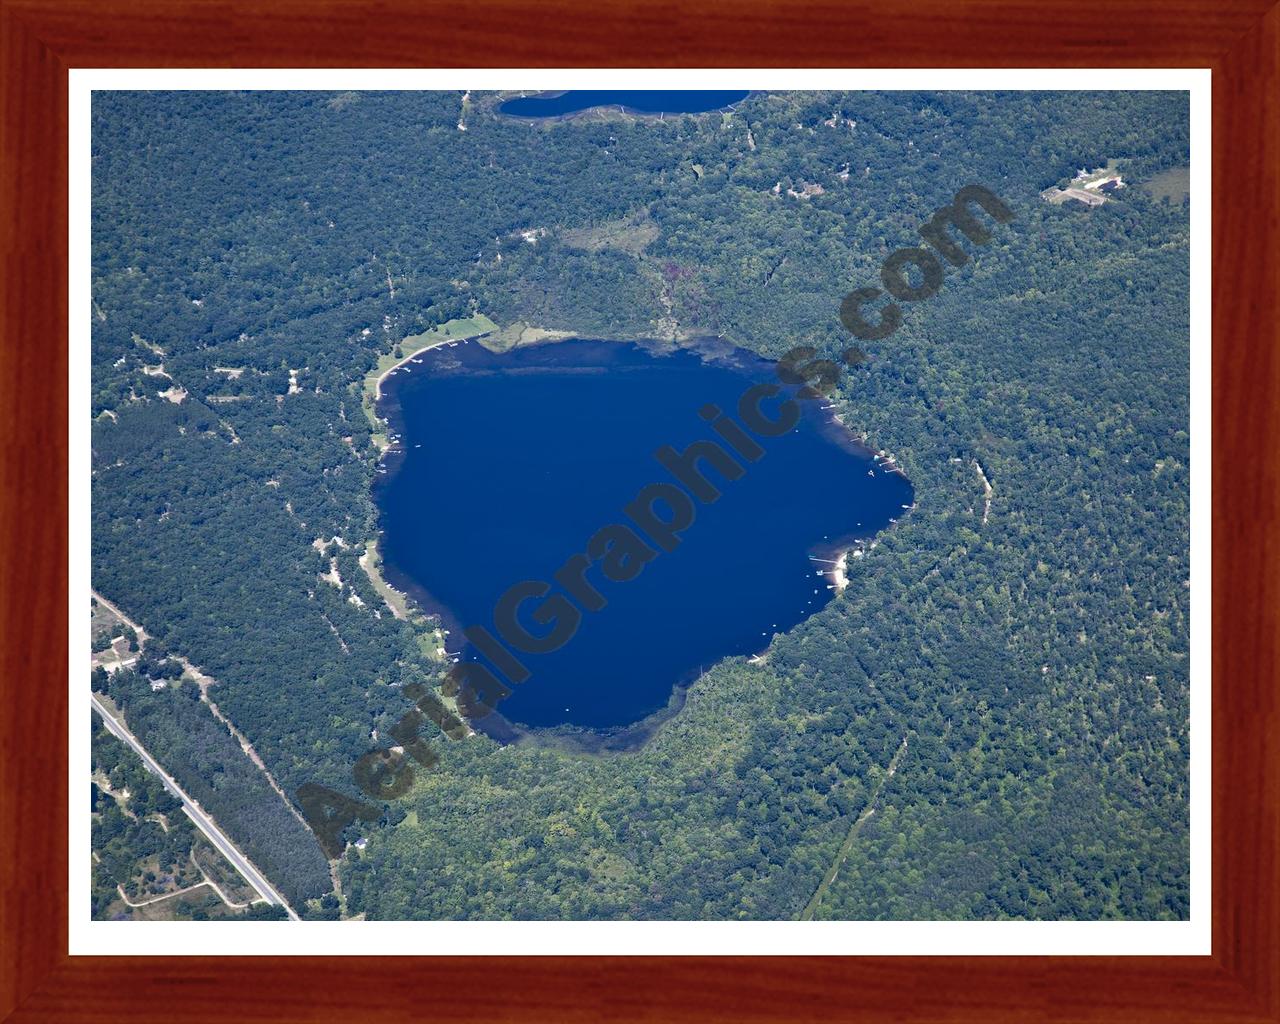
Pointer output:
372, 391
377, 384
839, 573
834, 563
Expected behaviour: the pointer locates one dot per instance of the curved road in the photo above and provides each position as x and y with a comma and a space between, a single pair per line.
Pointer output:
202, 820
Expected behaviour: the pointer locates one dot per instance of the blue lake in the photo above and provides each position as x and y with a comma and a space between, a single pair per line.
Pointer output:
695, 101
508, 464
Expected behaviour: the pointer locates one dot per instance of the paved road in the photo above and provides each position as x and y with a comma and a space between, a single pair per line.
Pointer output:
202, 821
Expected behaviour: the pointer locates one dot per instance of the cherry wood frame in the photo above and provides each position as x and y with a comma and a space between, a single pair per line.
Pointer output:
41, 39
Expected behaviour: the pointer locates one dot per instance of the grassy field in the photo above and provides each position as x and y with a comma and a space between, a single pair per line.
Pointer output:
520, 333
1174, 184
167, 909
631, 234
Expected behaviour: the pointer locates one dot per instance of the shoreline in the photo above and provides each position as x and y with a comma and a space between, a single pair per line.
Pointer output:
372, 387
600, 741
835, 560
603, 108
371, 563
636, 735
839, 572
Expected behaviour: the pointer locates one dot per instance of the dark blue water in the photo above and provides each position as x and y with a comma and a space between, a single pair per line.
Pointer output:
695, 101
511, 463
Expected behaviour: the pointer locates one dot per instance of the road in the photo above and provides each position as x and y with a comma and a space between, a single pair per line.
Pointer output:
202, 821
143, 635
845, 847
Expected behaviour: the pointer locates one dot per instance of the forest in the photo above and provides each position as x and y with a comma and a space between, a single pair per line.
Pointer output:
254, 254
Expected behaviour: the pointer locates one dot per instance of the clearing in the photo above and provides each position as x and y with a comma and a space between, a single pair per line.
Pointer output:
631, 234
371, 563
1173, 185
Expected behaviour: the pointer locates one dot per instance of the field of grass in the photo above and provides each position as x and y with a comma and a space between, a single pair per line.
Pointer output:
1173, 184
169, 909
520, 333
631, 234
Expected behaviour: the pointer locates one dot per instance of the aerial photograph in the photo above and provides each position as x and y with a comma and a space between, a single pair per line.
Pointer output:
639, 505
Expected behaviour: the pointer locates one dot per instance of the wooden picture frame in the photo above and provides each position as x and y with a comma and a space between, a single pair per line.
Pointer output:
42, 39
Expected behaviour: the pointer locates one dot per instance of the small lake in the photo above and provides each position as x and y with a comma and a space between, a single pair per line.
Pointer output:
696, 101
508, 464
